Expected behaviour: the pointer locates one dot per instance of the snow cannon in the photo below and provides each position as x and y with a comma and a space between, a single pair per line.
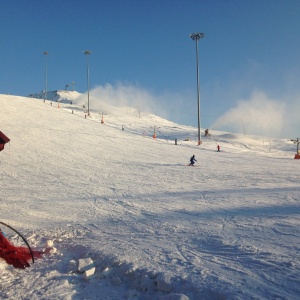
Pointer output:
297, 142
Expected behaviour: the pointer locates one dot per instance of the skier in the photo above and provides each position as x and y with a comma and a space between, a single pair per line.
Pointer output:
218, 147
192, 160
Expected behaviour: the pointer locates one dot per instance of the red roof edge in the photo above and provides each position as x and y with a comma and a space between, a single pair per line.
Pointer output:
3, 138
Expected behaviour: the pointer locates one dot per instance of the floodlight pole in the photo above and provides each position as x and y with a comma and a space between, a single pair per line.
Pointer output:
46, 55
197, 36
88, 52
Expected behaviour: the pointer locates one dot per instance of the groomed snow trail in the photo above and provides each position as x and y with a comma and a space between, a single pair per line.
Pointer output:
226, 229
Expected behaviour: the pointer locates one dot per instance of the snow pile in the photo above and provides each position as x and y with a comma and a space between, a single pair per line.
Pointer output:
120, 215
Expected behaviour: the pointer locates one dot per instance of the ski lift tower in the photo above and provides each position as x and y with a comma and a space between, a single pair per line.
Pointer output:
297, 141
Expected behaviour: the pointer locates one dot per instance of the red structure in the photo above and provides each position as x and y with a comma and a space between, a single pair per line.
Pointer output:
3, 140
17, 256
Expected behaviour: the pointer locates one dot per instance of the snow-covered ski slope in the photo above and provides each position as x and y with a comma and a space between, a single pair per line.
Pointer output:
154, 227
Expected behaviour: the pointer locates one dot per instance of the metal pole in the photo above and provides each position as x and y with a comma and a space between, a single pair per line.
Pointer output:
88, 85
88, 52
196, 37
198, 95
45, 94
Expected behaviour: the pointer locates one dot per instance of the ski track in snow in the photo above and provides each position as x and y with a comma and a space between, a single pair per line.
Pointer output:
228, 229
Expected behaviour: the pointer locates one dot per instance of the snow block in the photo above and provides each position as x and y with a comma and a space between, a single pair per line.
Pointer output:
85, 264
89, 273
174, 297
163, 283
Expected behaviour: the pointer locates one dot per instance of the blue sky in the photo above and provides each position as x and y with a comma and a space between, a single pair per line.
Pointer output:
250, 48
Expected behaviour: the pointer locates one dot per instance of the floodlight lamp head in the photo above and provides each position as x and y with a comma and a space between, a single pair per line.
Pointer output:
87, 52
197, 36
45, 52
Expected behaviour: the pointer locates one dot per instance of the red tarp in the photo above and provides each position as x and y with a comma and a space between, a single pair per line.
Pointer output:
3, 140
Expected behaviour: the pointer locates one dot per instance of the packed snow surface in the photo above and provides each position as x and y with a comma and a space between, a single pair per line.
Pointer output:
121, 215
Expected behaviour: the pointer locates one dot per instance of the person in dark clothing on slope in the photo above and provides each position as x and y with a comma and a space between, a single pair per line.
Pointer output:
192, 160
